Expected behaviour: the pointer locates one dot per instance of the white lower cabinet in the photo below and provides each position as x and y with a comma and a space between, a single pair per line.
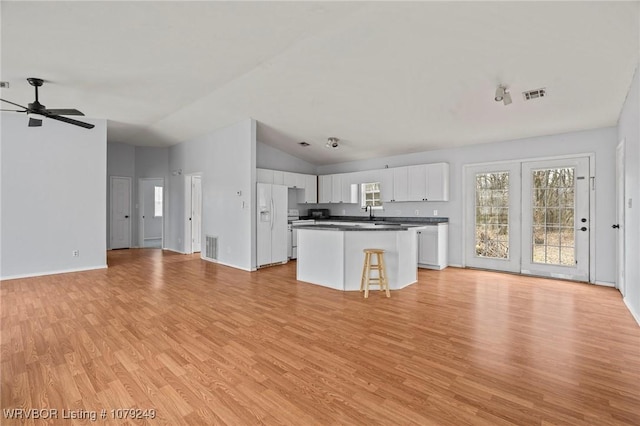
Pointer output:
433, 246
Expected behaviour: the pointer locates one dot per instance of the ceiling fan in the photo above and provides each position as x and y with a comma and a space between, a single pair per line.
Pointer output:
37, 108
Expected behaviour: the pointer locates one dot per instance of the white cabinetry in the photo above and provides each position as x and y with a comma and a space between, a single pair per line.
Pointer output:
437, 182
307, 185
310, 193
278, 177
324, 189
424, 182
264, 176
433, 246
394, 185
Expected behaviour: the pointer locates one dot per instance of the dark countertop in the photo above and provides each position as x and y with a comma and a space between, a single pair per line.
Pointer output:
386, 219
355, 227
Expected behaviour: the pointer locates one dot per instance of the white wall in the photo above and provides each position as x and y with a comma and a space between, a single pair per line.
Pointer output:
602, 142
268, 157
121, 161
53, 196
629, 130
226, 160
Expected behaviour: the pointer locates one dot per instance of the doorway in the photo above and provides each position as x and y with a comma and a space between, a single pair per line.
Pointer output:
193, 213
529, 217
120, 212
151, 223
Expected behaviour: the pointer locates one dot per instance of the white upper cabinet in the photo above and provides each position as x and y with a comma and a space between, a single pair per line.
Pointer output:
307, 185
438, 182
278, 177
324, 188
400, 184
264, 176
290, 179
336, 188
425, 182
394, 184
386, 185
309, 194
417, 176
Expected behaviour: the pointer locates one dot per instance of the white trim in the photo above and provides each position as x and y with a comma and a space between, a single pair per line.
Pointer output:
455, 265
61, 271
635, 315
605, 284
140, 210
173, 250
228, 264
131, 209
592, 201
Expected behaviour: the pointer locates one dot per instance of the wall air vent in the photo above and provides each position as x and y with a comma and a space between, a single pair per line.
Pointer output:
533, 94
211, 247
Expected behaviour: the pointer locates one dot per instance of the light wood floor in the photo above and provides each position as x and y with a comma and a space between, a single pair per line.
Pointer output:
207, 344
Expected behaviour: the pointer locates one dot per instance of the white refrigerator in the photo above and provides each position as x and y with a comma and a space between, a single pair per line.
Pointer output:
272, 224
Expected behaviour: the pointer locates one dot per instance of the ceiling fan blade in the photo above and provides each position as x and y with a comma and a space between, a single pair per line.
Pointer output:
70, 121
14, 104
14, 110
35, 122
65, 111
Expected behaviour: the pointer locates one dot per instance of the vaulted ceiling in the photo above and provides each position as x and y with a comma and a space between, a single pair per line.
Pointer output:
384, 77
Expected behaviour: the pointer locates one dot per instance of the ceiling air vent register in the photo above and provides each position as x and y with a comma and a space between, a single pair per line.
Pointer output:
534, 94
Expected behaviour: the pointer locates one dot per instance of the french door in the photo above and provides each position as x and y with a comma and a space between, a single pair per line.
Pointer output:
529, 217
555, 227
493, 217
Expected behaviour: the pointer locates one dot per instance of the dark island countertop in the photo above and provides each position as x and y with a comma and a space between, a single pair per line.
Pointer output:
373, 226
413, 220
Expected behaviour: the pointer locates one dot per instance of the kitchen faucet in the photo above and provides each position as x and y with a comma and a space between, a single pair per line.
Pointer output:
370, 208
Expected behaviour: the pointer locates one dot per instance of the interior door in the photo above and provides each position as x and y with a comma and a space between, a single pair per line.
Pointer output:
619, 225
196, 214
492, 216
555, 219
120, 221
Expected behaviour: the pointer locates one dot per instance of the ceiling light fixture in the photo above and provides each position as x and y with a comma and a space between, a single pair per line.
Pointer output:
332, 143
502, 95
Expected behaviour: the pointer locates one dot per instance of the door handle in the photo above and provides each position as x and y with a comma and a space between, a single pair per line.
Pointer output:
126, 216
616, 226
584, 228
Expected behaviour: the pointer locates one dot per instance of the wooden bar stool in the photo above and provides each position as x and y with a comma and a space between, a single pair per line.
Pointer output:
381, 279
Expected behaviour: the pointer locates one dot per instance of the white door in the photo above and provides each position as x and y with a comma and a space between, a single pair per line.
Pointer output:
492, 216
619, 225
555, 218
151, 211
196, 214
120, 221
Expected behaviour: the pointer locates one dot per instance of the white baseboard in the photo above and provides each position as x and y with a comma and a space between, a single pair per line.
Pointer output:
175, 251
62, 271
635, 314
227, 264
455, 265
605, 284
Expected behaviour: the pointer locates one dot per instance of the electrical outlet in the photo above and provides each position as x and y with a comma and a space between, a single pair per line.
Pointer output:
75, 253
435, 212
417, 212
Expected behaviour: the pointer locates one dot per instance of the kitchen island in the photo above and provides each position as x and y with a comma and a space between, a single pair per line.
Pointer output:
332, 255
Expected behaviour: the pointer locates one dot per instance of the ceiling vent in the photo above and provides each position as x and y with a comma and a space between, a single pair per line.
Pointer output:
533, 94
303, 143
